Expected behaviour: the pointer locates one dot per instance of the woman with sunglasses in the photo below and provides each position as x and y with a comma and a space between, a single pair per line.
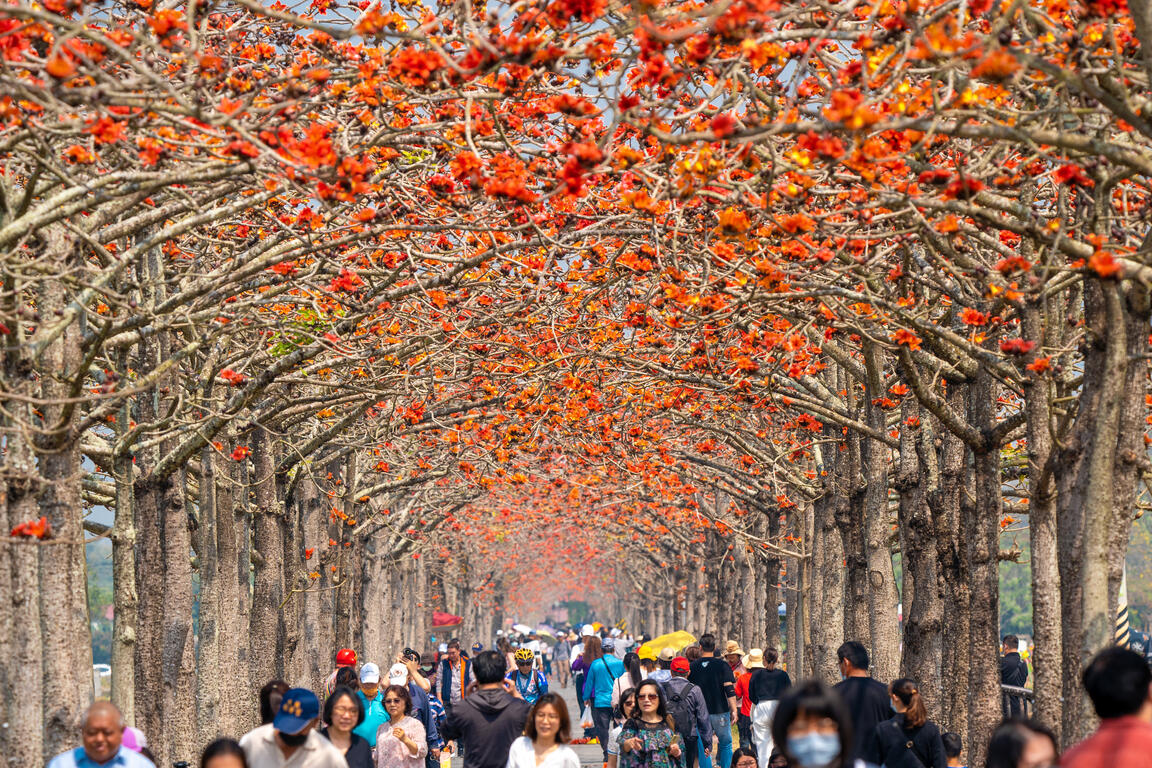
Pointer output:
625, 710
402, 741
649, 740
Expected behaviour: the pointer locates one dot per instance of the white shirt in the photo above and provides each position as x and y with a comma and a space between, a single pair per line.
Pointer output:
262, 751
523, 755
614, 739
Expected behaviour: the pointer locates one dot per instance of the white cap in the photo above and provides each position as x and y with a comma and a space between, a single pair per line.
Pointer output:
587, 631
398, 675
369, 673
443, 648
615, 632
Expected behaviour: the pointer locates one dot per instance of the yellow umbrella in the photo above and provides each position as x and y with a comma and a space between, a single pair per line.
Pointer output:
678, 640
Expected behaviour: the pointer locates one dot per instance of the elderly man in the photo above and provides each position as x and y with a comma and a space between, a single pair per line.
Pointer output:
292, 737
101, 733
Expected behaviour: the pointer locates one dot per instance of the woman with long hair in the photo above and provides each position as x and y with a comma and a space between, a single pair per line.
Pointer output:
545, 740
601, 671
812, 727
909, 739
625, 711
343, 711
632, 677
649, 740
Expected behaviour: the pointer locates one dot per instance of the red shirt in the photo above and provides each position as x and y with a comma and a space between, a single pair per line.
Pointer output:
1119, 741
742, 694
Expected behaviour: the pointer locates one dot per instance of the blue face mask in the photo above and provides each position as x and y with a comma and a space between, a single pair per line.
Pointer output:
814, 749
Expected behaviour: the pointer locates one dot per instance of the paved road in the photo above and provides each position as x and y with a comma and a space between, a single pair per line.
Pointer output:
589, 754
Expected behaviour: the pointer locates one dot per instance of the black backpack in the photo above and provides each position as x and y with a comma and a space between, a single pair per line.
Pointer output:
679, 705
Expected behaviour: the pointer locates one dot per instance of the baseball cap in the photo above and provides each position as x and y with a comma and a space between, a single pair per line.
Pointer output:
587, 631
134, 739
298, 708
346, 657
477, 647
398, 674
369, 673
667, 653
646, 653
615, 632
680, 665
609, 644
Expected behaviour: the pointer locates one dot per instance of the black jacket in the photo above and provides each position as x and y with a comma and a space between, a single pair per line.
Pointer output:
359, 754
1013, 670
486, 723
891, 745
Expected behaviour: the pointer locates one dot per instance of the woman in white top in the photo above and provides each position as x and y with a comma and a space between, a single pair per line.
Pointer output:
545, 740
632, 677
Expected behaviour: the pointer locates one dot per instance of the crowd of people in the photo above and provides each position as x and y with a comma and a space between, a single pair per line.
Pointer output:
671, 708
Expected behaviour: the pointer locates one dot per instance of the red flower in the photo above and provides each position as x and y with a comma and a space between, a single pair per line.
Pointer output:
241, 452
723, 125
1016, 346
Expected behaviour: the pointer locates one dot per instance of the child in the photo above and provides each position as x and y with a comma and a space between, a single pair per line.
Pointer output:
952, 749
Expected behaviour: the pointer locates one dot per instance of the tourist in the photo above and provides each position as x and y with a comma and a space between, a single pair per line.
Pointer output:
648, 662
345, 657
626, 709
101, 736
270, 696
735, 658
689, 712
292, 737
401, 674
1119, 684
343, 711
908, 739
751, 662
1014, 672
402, 742
223, 753
664, 662
489, 720
1020, 743
867, 700
632, 677
744, 757
546, 734
454, 676
766, 685
649, 740
561, 654
529, 682
372, 701
601, 671
953, 749
813, 727
716, 681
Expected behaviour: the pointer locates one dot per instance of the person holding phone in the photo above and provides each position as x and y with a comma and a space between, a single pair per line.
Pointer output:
650, 740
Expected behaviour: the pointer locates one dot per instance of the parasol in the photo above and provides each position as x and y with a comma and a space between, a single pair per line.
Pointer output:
441, 619
678, 640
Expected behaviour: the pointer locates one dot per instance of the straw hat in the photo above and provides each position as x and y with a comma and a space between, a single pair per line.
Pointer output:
754, 659
732, 648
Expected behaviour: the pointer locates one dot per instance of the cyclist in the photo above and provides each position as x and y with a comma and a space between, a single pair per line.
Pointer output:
530, 682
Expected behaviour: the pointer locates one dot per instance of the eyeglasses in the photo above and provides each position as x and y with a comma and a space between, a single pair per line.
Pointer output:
647, 696
393, 701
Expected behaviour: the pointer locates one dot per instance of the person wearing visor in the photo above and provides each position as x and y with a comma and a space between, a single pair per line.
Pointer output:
292, 737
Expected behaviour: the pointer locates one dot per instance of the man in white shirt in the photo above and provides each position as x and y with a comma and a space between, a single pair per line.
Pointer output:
291, 739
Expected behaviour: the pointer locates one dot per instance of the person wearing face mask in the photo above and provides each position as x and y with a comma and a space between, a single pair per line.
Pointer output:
291, 737
372, 700
909, 739
812, 728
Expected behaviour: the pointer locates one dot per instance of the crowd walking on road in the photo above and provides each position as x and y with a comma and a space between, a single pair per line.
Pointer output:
646, 707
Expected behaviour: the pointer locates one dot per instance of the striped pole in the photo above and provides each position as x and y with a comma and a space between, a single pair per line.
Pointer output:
1123, 630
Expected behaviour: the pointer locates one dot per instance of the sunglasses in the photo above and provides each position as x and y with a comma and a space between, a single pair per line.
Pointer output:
647, 696
393, 701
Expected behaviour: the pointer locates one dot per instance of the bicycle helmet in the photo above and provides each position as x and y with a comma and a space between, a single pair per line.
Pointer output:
525, 656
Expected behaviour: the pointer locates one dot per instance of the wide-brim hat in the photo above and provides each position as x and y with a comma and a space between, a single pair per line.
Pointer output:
754, 659
732, 648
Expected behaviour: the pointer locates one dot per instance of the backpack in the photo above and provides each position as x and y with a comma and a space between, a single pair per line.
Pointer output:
679, 704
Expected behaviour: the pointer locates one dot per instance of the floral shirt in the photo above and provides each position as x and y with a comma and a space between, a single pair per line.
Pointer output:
392, 753
655, 739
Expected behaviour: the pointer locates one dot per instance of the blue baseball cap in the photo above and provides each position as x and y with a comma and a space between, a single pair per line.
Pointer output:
298, 708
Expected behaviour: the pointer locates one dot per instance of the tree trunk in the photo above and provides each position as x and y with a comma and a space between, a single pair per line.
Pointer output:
124, 598
948, 503
266, 635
